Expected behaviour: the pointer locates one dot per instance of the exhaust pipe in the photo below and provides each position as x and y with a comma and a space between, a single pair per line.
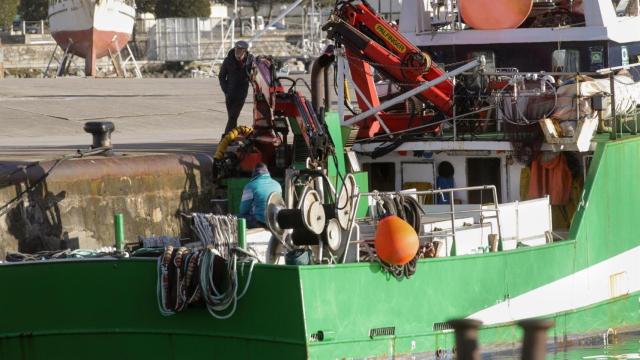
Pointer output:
320, 79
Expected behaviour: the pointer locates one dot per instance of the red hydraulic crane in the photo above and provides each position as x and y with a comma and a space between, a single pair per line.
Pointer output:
371, 41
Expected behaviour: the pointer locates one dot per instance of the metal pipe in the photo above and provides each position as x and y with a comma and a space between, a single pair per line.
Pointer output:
495, 204
455, 125
614, 68
351, 222
614, 121
462, 211
466, 338
453, 224
327, 88
429, 192
534, 344
320, 79
316, 70
413, 92
341, 95
233, 23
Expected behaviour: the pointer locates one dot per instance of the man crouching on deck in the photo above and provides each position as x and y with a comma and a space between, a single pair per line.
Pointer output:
255, 194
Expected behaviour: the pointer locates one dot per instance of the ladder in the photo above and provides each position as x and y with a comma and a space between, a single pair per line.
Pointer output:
121, 65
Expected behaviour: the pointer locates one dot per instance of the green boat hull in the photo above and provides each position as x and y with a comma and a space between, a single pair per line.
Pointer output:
588, 284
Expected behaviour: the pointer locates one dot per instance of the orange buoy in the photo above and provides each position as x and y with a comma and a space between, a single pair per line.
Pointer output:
494, 14
396, 241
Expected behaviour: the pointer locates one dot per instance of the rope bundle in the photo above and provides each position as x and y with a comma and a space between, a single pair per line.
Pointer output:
403, 206
105, 251
209, 274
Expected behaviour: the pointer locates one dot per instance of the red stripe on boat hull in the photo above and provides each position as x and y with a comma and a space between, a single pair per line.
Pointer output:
91, 44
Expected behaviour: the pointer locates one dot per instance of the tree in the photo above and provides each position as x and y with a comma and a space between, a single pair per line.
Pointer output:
8, 11
145, 6
33, 10
182, 8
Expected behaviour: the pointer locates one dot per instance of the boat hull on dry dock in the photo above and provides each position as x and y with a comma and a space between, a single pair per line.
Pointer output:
589, 284
91, 29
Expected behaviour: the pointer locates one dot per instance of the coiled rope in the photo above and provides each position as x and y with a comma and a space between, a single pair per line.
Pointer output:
209, 274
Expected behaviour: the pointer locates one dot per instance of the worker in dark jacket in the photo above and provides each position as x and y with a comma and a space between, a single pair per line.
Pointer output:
234, 81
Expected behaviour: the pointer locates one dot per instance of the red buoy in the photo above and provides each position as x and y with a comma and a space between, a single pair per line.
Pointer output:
396, 241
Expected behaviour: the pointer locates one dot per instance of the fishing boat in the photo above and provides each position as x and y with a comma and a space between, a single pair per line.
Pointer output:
91, 29
523, 170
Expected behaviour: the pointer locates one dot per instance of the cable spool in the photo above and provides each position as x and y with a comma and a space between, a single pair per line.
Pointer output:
310, 215
344, 201
312, 211
303, 236
290, 219
329, 211
332, 235
275, 204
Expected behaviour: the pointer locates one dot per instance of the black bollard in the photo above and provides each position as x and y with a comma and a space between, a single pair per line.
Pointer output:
534, 344
466, 338
101, 133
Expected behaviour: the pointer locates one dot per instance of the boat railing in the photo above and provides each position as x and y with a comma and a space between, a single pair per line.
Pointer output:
568, 112
378, 195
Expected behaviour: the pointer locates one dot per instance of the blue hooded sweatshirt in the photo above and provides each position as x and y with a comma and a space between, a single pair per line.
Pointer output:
255, 195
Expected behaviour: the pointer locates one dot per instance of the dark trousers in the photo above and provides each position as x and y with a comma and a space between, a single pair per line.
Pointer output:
234, 106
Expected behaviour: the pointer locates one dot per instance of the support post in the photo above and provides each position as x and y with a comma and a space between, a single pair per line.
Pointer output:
534, 344
614, 121
118, 223
242, 233
466, 338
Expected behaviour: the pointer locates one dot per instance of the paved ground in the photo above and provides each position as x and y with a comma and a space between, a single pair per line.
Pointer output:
42, 118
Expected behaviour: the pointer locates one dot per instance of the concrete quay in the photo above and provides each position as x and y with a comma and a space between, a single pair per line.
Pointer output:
43, 118
167, 128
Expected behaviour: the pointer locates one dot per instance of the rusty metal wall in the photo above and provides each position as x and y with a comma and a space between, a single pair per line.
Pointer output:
74, 207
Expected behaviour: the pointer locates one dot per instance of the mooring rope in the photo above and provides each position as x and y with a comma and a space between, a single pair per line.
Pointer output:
188, 276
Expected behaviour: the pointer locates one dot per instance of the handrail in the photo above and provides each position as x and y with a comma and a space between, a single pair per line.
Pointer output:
452, 211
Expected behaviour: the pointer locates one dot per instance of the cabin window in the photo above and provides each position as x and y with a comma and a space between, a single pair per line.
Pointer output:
382, 176
419, 176
483, 171
565, 60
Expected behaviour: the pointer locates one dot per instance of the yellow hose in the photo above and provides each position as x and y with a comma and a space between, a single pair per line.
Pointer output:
229, 138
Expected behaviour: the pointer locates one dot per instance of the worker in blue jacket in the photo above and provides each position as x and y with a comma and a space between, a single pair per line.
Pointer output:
255, 195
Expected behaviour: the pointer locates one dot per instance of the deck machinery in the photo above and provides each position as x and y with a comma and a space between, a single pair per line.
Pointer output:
314, 163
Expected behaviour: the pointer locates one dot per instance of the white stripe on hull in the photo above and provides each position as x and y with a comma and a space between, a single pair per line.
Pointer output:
616, 276
103, 15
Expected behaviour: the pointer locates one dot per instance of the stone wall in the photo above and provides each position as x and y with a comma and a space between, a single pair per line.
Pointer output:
35, 58
74, 206
31, 60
